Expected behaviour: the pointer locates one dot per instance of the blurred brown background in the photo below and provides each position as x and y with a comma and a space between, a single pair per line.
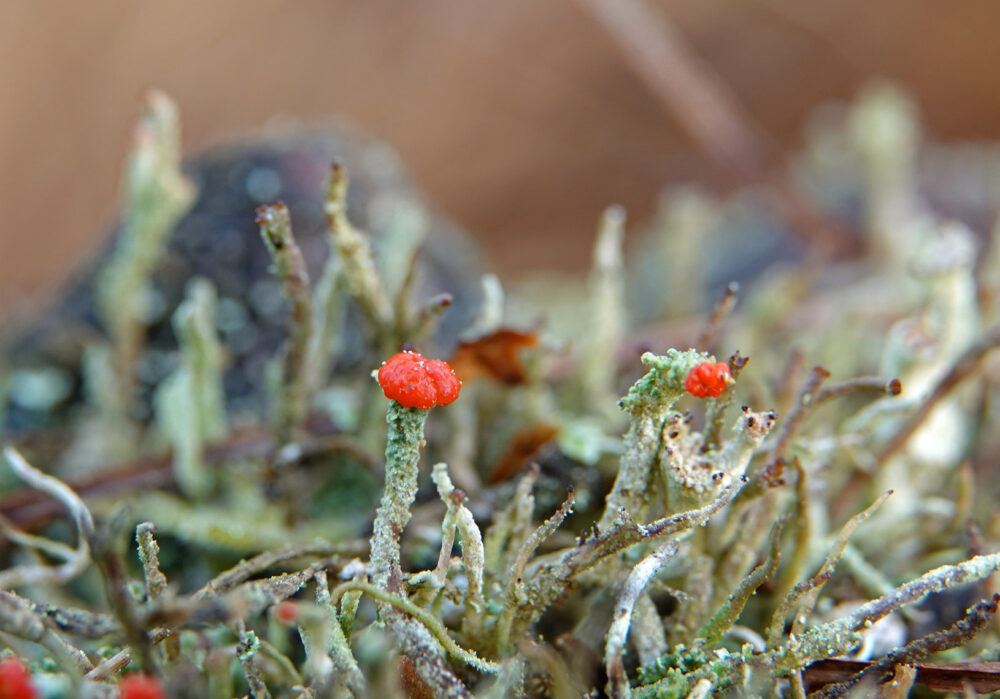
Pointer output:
520, 119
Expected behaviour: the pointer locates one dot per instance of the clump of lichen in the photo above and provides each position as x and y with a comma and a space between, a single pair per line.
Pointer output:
672, 544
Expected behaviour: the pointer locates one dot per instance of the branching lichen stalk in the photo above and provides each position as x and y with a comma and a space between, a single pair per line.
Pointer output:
648, 403
838, 636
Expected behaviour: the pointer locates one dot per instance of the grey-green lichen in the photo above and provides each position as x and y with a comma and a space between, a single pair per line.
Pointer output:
694, 477
648, 404
694, 559
293, 400
190, 403
156, 195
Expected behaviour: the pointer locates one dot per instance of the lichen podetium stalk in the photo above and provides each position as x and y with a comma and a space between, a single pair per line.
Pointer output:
157, 195
402, 456
289, 265
413, 384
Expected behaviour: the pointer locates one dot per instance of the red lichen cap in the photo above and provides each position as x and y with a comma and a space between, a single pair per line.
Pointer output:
139, 686
708, 380
414, 381
286, 612
15, 680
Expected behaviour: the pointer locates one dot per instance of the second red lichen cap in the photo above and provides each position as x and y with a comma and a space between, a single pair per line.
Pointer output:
414, 381
15, 680
708, 380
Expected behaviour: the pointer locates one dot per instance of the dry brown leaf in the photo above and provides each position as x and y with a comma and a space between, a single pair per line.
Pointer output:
942, 677
521, 449
497, 355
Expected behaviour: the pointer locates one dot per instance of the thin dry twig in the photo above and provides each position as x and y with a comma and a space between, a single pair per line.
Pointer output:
803, 405
872, 384
552, 578
709, 334
982, 677
227, 580
975, 620
75, 560
963, 367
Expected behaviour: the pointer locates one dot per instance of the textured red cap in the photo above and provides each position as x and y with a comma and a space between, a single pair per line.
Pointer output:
414, 381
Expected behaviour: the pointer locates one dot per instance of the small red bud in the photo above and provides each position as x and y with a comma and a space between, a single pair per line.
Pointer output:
140, 686
261, 216
15, 680
707, 380
286, 612
414, 381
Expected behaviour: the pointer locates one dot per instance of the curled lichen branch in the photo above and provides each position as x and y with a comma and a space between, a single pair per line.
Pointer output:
75, 560
638, 578
431, 622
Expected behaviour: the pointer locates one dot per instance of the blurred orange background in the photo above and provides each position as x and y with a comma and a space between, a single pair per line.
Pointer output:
520, 119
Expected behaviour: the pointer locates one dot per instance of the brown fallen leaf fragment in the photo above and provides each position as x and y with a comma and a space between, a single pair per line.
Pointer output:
943, 677
521, 449
413, 687
497, 356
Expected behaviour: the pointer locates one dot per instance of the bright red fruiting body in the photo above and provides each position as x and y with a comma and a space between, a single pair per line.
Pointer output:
286, 612
140, 687
707, 380
15, 680
414, 381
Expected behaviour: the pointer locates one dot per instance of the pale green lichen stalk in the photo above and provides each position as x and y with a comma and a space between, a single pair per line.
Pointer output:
362, 278
293, 402
458, 519
402, 458
598, 358
190, 404
156, 195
